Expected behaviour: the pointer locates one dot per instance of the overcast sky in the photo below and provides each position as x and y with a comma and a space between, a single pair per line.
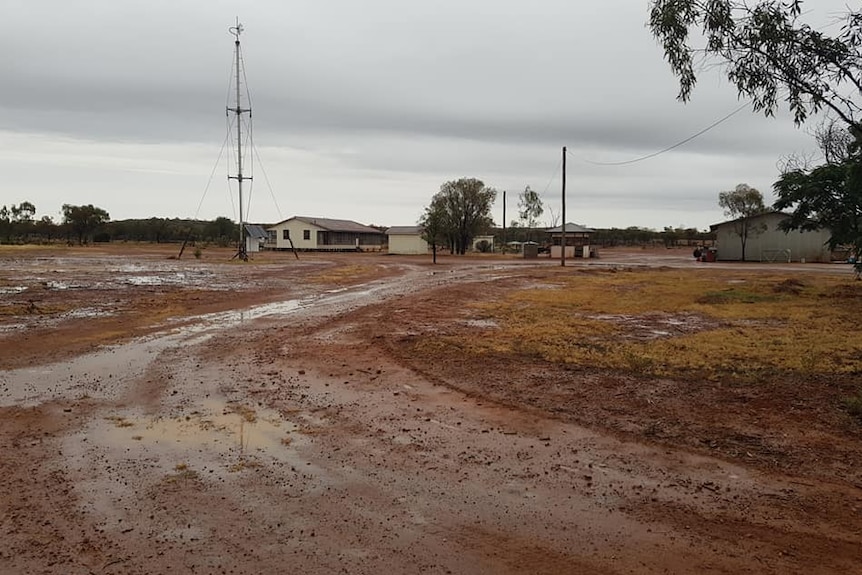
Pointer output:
362, 109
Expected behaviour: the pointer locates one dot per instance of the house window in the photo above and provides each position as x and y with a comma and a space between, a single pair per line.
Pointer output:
285, 234
270, 236
306, 234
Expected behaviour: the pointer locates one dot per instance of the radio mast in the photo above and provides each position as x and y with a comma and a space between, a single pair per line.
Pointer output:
239, 111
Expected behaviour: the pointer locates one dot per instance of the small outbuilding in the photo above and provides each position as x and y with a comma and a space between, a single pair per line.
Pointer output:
483, 243
577, 240
407, 240
325, 234
255, 238
766, 242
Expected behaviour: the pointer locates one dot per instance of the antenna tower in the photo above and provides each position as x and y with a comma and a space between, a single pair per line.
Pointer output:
239, 111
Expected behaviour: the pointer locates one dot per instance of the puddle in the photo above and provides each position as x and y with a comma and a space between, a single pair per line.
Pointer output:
86, 312
226, 319
657, 326
214, 425
49, 275
481, 323
100, 375
178, 279
12, 290
13, 327
133, 268
59, 285
211, 442
104, 374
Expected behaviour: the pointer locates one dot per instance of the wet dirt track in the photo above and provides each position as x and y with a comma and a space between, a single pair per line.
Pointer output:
286, 438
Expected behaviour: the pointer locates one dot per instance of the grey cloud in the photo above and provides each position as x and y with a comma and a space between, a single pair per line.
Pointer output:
394, 94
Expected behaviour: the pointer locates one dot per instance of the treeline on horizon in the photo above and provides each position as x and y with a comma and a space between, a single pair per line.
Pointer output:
89, 224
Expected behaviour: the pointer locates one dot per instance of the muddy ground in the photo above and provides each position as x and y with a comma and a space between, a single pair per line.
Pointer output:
208, 416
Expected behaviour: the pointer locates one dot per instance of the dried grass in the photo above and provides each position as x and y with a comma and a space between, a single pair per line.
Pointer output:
753, 325
343, 274
119, 421
182, 474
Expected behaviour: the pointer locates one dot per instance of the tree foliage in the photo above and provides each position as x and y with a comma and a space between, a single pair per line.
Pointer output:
433, 228
459, 212
827, 196
16, 221
221, 231
83, 221
770, 54
530, 208
742, 204
834, 140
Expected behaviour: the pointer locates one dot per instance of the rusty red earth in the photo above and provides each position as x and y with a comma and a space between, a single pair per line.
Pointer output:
207, 416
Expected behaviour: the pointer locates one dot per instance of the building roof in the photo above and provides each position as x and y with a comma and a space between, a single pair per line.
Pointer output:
571, 227
255, 231
405, 231
713, 227
332, 225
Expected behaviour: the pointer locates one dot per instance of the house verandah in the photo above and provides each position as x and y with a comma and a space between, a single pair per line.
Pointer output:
324, 234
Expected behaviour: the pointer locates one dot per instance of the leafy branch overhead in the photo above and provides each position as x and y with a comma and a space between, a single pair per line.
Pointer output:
770, 54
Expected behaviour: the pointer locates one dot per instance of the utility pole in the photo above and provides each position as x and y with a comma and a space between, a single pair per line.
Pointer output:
239, 110
503, 247
563, 239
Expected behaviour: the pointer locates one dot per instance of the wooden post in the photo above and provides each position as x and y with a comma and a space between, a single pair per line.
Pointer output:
503, 248
563, 239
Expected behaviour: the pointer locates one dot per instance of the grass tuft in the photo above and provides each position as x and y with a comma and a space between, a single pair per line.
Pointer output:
182, 473
119, 421
853, 405
733, 296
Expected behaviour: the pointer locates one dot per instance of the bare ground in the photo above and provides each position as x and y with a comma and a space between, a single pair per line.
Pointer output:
207, 416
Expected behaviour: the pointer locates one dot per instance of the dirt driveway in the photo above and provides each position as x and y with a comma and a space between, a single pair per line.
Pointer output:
208, 416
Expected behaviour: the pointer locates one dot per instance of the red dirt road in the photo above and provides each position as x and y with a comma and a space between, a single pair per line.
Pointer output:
164, 416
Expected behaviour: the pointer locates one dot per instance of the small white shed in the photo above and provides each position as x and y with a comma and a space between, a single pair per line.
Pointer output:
483, 244
407, 240
255, 237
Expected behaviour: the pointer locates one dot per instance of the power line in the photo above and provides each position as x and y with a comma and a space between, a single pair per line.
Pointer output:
212, 173
673, 147
553, 177
266, 179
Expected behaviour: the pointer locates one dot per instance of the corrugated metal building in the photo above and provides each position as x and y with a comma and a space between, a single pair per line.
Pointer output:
768, 243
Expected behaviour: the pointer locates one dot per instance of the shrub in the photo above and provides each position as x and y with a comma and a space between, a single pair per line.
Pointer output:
853, 405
